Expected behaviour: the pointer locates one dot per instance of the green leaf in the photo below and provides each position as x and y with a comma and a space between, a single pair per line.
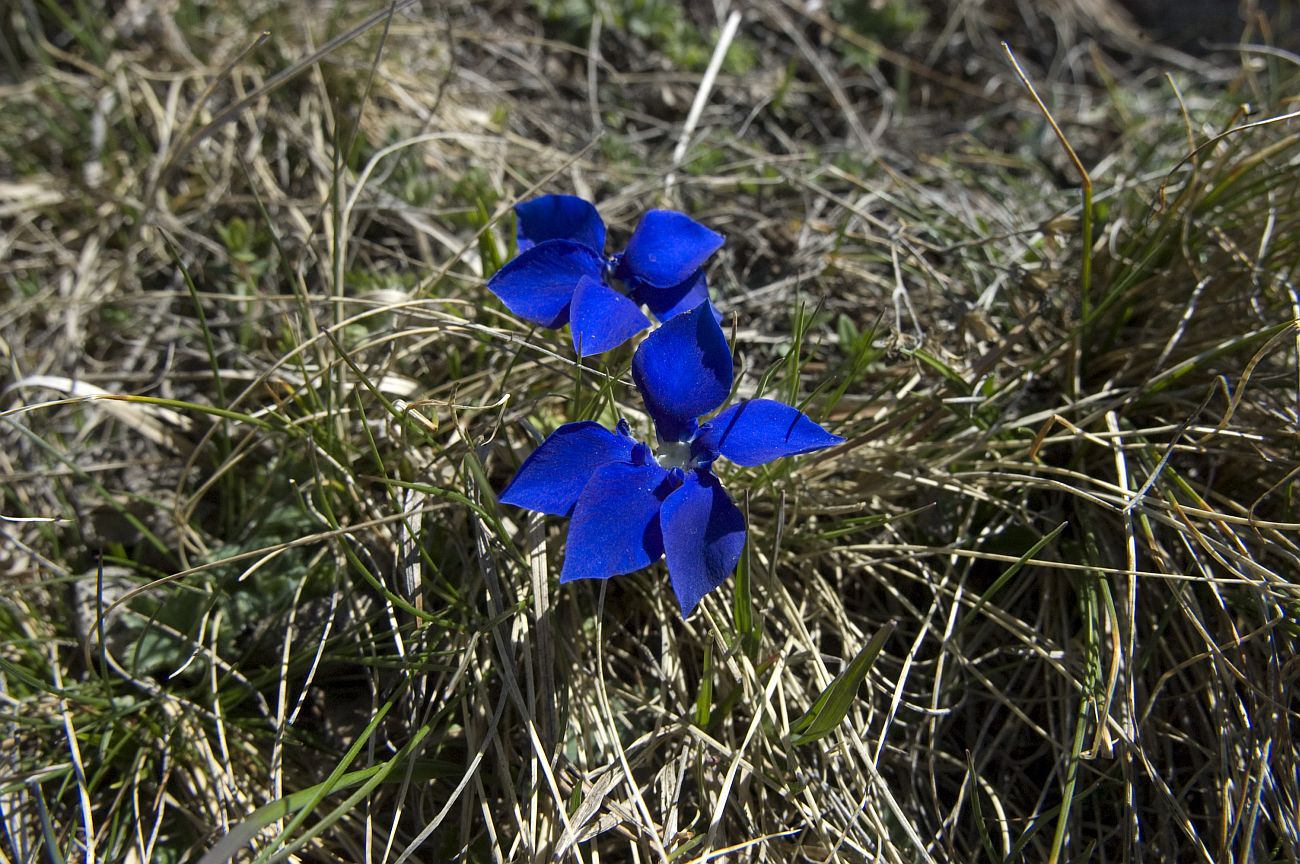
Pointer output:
742, 596
704, 700
943, 369
833, 705
848, 333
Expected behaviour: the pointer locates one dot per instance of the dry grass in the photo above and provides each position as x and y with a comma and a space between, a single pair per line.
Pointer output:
257, 400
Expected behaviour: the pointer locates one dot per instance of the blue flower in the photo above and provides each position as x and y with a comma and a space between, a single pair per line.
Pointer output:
628, 505
561, 275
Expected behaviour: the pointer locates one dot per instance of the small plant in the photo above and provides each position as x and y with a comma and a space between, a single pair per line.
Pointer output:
628, 505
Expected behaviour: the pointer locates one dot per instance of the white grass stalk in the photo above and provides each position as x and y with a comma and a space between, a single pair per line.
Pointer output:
702, 94
78, 767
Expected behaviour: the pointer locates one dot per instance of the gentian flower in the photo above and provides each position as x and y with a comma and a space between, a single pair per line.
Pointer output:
629, 505
562, 276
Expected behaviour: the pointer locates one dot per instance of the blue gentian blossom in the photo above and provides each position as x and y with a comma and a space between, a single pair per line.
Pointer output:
562, 275
628, 505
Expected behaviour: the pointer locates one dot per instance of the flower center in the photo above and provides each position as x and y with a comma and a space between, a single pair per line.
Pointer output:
611, 278
675, 454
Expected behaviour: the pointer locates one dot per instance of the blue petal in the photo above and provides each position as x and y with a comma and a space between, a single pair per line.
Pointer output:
615, 527
759, 430
559, 217
683, 370
704, 535
552, 477
668, 303
538, 284
666, 248
601, 318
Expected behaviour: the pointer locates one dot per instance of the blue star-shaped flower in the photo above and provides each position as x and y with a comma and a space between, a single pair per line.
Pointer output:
629, 505
561, 275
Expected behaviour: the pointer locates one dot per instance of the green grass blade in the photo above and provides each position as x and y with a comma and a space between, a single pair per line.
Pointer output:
1011, 571
834, 703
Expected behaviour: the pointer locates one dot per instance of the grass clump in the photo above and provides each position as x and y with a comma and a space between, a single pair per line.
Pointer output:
260, 601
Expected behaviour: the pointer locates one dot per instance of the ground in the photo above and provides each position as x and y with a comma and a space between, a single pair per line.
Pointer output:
259, 599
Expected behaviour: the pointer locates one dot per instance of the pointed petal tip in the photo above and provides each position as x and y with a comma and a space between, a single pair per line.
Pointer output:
758, 431
554, 475
538, 283
601, 319
704, 537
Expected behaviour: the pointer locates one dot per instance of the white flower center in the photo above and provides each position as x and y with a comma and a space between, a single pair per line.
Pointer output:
675, 454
